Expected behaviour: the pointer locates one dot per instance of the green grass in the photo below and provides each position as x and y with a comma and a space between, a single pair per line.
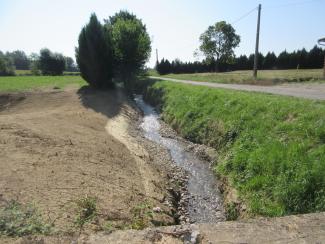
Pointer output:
20, 83
29, 72
23, 72
245, 76
272, 148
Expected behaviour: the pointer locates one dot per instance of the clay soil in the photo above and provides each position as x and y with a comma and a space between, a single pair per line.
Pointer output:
60, 146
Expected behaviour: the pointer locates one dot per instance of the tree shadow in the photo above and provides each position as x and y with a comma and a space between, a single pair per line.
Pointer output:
106, 102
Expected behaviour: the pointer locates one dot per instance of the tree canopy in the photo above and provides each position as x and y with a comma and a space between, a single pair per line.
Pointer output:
131, 42
20, 59
218, 42
51, 63
6, 65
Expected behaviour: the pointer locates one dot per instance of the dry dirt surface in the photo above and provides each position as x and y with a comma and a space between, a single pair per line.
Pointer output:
60, 146
314, 91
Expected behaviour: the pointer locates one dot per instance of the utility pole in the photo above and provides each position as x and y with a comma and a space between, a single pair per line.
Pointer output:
324, 68
257, 41
322, 42
157, 60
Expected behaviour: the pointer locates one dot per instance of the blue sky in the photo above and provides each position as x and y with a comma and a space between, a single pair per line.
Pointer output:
174, 25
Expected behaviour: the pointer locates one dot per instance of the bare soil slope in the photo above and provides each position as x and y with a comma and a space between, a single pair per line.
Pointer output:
55, 149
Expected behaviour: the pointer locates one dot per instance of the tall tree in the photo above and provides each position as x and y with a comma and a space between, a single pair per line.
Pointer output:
218, 42
131, 42
94, 54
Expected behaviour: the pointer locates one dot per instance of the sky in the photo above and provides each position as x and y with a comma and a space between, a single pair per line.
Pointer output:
173, 25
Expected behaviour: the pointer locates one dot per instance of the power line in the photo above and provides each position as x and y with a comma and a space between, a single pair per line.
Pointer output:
245, 15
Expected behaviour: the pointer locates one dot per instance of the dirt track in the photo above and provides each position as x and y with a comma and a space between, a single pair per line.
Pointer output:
55, 148
311, 91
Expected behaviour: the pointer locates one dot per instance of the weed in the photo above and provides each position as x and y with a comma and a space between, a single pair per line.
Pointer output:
19, 220
86, 210
142, 215
108, 226
232, 212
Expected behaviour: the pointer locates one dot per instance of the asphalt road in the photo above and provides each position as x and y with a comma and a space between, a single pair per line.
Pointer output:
314, 91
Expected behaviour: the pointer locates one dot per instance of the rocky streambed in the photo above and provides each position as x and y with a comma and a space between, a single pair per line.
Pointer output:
196, 197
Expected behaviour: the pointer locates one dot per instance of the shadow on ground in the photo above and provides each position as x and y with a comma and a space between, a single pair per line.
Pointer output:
98, 100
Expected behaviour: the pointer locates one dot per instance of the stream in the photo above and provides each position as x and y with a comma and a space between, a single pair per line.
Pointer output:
205, 200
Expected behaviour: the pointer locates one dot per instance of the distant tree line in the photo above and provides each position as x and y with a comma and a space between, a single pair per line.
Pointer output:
300, 59
46, 62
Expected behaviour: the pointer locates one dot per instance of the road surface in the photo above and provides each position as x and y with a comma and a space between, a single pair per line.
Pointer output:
314, 91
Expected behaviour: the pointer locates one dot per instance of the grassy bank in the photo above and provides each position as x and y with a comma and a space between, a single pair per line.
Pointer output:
272, 148
20, 83
245, 76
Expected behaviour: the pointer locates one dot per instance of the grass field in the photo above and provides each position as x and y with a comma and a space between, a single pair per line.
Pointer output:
20, 83
272, 148
29, 72
245, 76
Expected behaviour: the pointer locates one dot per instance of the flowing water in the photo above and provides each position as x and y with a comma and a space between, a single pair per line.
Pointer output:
205, 204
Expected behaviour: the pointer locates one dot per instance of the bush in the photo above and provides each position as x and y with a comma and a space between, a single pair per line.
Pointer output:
51, 63
94, 54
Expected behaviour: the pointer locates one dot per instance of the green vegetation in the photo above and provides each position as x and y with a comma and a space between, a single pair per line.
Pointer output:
245, 76
300, 59
217, 43
7, 67
132, 45
22, 72
51, 63
94, 54
19, 58
232, 212
86, 210
142, 215
272, 148
118, 49
21, 83
19, 220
